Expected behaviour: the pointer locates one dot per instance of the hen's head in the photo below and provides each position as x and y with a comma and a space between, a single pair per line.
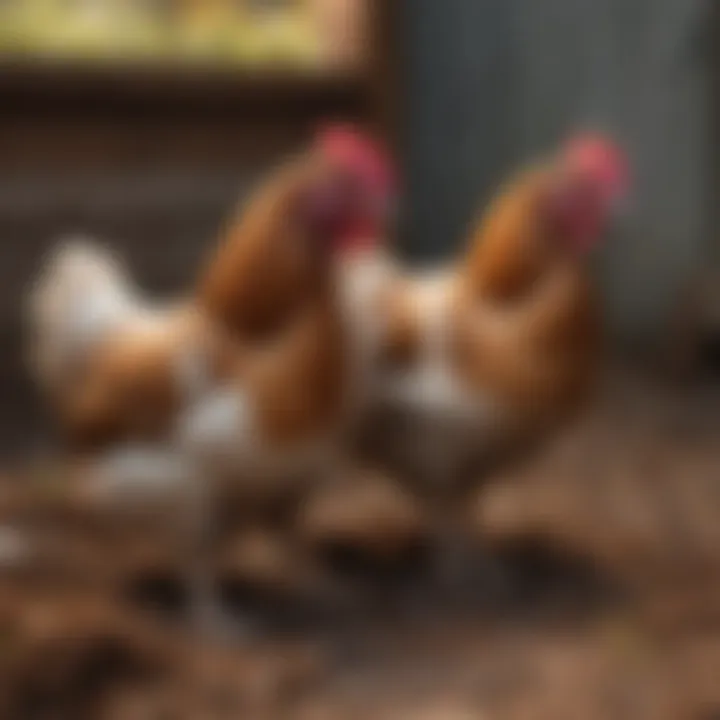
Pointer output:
587, 182
349, 201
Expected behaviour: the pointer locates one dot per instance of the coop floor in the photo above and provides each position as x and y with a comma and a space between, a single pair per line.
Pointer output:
611, 542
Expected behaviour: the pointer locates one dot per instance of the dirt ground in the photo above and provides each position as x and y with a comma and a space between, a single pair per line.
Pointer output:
609, 543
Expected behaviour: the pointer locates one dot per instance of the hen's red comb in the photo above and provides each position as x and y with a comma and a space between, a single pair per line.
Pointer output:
348, 146
601, 157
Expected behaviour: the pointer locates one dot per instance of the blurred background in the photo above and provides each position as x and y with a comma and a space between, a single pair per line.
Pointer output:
143, 122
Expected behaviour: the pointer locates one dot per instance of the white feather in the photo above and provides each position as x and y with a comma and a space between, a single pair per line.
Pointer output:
139, 472
218, 428
80, 296
443, 419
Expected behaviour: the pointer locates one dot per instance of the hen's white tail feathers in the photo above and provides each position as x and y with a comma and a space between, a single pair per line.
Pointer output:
80, 295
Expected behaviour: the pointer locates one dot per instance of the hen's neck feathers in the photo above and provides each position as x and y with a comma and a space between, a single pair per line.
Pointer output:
509, 250
526, 318
262, 271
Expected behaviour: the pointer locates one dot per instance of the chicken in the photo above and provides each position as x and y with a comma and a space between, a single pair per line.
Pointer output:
253, 379
116, 368
281, 295
272, 286
503, 345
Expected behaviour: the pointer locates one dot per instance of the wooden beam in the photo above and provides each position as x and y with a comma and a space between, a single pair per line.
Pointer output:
714, 170
385, 52
93, 89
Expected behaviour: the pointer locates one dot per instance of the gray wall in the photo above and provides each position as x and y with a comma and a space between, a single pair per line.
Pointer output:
493, 82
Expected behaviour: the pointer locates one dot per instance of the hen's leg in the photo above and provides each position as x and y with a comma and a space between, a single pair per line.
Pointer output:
133, 476
464, 564
208, 617
213, 434
451, 553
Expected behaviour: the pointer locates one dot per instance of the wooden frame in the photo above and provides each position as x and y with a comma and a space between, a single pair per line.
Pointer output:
36, 94
135, 86
714, 170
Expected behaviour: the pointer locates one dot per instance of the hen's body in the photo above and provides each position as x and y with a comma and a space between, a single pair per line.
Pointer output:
482, 354
431, 421
298, 316
494, 352
120, 371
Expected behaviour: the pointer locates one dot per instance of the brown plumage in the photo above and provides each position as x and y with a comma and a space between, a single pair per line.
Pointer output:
275, 285
256, 321
301, 391
506, 341
264, 268
496, 350
111, 363
525, 317
270, 287
130, 387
